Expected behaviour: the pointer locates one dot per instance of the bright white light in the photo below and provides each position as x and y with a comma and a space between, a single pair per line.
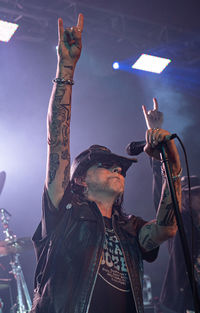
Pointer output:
116, 65
151, 63
7, 30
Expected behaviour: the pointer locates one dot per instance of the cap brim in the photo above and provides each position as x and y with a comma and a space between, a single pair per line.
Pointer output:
99, 156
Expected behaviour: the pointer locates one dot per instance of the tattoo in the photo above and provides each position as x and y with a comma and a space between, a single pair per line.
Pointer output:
69, 66
145, 237
58, 136
64, 105
150, 244
59, 125
166, 194
166, 216
54, 140
65, 128
58, 117
54, 165
64, 155
169, 218
66, 176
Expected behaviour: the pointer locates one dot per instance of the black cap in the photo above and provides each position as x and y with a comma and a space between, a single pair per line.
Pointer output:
96, 154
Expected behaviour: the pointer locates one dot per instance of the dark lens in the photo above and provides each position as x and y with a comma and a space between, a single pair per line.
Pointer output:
106, 164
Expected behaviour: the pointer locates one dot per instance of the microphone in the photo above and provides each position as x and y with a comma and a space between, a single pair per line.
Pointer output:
137, 147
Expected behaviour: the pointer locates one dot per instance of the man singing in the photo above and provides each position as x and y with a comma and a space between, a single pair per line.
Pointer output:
89, 253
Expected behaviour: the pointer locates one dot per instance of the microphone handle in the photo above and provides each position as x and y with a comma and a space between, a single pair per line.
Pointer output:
135, 147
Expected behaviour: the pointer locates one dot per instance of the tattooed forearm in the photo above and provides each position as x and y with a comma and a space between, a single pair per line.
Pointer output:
155, 232
59, 120
165, 216
168, 218
59, 116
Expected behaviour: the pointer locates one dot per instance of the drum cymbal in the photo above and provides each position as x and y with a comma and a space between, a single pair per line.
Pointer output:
18, 246
25, 243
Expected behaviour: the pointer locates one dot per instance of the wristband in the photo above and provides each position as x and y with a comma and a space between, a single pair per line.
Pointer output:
62, 81
178, 175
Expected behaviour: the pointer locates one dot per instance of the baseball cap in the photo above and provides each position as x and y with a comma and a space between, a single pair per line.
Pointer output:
96, 154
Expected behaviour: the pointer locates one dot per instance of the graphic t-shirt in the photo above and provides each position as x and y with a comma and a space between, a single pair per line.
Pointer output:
112, 292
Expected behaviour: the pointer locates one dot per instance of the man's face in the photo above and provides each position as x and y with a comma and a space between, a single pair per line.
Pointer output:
105, 178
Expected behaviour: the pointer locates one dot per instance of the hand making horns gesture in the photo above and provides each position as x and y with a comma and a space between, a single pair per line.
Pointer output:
153, 118
69, 42
155, 135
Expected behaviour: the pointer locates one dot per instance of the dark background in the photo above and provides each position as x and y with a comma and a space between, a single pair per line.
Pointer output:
106, 104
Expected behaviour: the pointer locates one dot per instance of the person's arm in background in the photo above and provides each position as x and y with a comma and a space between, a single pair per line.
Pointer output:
164, 227
59, 111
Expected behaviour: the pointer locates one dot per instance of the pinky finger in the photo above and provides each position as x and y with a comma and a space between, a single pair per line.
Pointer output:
155, 104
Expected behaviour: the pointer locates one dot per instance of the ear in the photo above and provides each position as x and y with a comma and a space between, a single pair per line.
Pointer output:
80, 181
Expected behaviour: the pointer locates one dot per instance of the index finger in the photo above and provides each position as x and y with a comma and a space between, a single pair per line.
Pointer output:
145, 115
144, 111
80, 22
60, 29
155, 104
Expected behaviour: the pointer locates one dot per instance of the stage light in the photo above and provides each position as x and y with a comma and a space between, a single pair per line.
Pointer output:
7, 30
116, 65
151, 63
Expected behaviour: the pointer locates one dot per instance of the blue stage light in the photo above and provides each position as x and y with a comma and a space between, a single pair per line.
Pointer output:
116, 65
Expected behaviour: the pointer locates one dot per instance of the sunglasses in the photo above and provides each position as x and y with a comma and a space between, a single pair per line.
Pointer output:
110, 164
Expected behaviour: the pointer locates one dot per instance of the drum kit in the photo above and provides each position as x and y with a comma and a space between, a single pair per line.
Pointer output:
11, 247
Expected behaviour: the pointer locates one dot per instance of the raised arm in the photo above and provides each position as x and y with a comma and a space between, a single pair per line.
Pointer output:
59, 111
154, 119
164, 226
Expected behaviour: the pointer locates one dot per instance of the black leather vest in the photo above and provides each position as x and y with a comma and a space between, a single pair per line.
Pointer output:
69, 258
